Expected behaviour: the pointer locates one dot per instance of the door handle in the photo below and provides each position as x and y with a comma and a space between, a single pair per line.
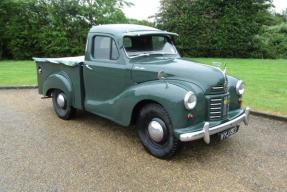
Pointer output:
140, 68
88, 66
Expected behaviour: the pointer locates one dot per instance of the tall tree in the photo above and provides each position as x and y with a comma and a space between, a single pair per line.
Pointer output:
53, 27
214, 27
6, 11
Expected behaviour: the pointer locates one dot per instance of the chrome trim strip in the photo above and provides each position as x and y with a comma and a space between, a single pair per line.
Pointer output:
215, 108
215, 112
215, 88
214, 117
207, 131
215, 99
215, 104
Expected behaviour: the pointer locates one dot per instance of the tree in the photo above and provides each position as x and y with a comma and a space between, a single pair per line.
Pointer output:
284, 15
53, 27
6, 11
214, 27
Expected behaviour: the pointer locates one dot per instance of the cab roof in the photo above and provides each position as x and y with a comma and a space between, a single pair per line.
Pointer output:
127, 30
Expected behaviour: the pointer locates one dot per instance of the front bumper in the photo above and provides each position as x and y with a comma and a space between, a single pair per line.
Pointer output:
207, 131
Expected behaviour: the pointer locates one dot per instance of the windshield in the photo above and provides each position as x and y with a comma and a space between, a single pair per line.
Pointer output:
149, 45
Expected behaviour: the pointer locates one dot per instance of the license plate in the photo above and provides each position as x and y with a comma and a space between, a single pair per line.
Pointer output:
227, 133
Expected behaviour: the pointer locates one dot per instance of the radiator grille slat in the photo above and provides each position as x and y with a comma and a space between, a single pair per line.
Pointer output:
218, 89
218, 107
215, 108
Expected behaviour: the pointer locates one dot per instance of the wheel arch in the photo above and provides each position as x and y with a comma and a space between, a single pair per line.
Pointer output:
139, 106
60, 82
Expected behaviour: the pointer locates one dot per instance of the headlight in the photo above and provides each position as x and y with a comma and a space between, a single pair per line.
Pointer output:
190, 100
240, 87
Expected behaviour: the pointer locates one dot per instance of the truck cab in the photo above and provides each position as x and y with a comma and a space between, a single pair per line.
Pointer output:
133, 75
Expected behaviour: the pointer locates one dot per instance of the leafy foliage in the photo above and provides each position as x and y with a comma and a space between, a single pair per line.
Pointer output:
272, 41
141, 22
222, 28
52, 27
215, 27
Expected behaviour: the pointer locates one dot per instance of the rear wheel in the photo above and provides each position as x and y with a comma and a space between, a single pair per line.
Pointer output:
155, 131
61, 105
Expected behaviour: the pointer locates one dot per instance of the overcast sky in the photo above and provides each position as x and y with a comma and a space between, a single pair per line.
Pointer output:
142, 9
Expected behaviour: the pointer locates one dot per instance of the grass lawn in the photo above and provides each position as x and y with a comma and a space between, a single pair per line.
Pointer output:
266, 80
13, 73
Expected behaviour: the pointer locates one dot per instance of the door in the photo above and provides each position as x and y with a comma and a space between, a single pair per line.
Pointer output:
105, 74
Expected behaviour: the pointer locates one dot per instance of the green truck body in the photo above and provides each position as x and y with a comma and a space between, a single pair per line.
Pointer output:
132, 74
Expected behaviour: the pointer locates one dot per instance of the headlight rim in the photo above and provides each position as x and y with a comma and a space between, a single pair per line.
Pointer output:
186, 98
238, 85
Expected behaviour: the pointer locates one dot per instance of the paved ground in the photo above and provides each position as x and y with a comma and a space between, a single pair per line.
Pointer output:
39, 152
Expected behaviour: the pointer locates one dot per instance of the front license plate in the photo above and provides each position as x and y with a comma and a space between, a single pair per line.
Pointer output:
227, 133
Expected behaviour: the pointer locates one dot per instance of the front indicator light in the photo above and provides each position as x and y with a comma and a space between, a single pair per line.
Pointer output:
189, 116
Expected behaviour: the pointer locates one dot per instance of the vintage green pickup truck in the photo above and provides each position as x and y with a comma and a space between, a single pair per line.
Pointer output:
133, 75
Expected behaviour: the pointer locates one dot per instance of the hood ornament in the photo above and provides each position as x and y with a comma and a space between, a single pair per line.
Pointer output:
223, 68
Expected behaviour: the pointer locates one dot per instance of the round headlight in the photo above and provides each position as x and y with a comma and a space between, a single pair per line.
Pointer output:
240, 87
190, 100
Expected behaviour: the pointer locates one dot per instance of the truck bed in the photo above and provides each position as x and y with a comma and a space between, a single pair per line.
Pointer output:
69, 61
58, 71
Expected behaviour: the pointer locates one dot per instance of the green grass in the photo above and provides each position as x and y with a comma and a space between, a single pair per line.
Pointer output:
266, 80
14, 73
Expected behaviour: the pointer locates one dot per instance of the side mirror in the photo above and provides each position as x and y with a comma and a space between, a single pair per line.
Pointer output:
161, 75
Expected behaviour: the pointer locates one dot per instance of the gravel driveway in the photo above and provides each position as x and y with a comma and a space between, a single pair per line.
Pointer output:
40, 152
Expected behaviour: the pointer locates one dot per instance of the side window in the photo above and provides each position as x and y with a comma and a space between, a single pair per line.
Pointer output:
102, 47
105, 48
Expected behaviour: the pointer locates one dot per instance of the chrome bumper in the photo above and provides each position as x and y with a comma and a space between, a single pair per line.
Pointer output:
207, 131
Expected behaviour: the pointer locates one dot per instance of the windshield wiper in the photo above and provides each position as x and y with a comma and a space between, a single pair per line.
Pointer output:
148, 54
163, 53
140, 55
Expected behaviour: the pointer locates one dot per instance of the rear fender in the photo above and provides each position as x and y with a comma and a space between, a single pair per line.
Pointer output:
59, 81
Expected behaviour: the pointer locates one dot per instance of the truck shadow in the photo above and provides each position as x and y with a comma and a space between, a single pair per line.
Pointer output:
195, 150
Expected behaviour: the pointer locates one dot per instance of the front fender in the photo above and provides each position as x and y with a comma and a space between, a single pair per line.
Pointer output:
168, 94
59, 81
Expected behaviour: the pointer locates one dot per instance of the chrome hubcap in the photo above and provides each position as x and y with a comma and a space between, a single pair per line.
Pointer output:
61, 100
155, 131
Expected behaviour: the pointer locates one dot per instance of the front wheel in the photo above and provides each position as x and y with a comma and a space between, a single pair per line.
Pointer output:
155, 131
61, 105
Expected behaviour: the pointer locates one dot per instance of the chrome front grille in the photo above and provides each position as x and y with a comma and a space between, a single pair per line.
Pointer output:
217, 89
215, 108
218, 107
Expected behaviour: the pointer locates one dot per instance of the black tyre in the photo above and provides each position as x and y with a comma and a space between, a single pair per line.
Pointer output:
155, 131
61, 105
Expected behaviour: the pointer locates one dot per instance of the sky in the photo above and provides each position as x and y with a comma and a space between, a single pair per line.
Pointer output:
142, 9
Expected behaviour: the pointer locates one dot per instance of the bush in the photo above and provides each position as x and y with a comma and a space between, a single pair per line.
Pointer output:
272, 42
215, 27
52, 28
